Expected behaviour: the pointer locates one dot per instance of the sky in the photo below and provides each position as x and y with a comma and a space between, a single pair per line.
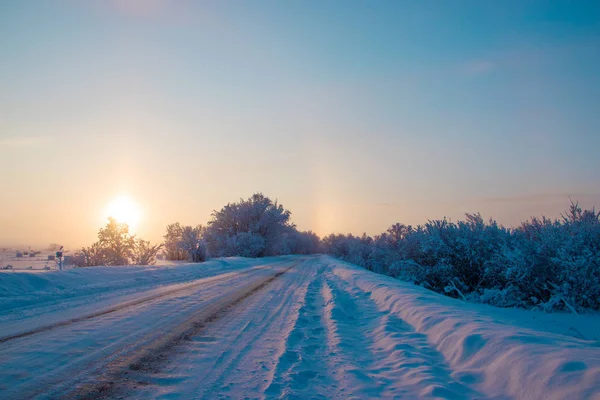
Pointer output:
352, 114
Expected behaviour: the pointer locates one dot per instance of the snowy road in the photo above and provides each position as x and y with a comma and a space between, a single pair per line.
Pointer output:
289, 327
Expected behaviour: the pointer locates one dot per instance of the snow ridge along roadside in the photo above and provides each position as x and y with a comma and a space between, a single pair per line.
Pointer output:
496, 359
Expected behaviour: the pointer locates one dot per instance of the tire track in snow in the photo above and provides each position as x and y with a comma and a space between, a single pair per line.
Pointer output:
122, 377
156, 277
351, 358
393, 360
264, 325
55, 362
300, 371
278, 356
235, 355
179, 290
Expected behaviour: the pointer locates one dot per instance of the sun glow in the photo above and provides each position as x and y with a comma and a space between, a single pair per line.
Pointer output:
124, 209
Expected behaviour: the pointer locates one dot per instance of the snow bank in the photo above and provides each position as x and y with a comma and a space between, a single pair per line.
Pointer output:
21, 289
499, 354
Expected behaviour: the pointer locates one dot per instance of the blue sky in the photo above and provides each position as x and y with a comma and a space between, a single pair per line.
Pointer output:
355, 115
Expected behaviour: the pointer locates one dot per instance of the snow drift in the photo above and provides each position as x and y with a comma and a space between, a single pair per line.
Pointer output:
498, 359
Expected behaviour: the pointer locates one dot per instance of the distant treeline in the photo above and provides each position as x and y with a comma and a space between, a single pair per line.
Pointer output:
255, 227
544, 263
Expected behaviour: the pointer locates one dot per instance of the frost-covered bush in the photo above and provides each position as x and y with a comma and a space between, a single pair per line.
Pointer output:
510, 296
172, 243
185, 243
548, 264
192, 244
357, 250
560, 260
246, 244
295, 242
410, 271
256, 227
145, 253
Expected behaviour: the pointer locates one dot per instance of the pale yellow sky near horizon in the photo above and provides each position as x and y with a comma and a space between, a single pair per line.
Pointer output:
76, 225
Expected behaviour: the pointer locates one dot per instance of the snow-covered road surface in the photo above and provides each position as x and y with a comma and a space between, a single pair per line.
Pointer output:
287, 327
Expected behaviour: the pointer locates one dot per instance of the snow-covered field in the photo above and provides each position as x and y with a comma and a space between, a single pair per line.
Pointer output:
285, 327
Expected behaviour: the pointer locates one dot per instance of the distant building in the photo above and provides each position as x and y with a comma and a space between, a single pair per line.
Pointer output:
51, 258
19, 254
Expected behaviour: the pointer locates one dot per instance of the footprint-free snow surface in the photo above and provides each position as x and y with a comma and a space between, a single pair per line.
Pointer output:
286, 327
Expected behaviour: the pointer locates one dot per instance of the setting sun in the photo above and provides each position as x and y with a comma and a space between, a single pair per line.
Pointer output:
124, 209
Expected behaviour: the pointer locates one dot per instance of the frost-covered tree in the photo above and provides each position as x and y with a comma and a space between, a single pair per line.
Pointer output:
173, 237
251, 227
192, 244
255, 227
115, 246
117, 243
246, 244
